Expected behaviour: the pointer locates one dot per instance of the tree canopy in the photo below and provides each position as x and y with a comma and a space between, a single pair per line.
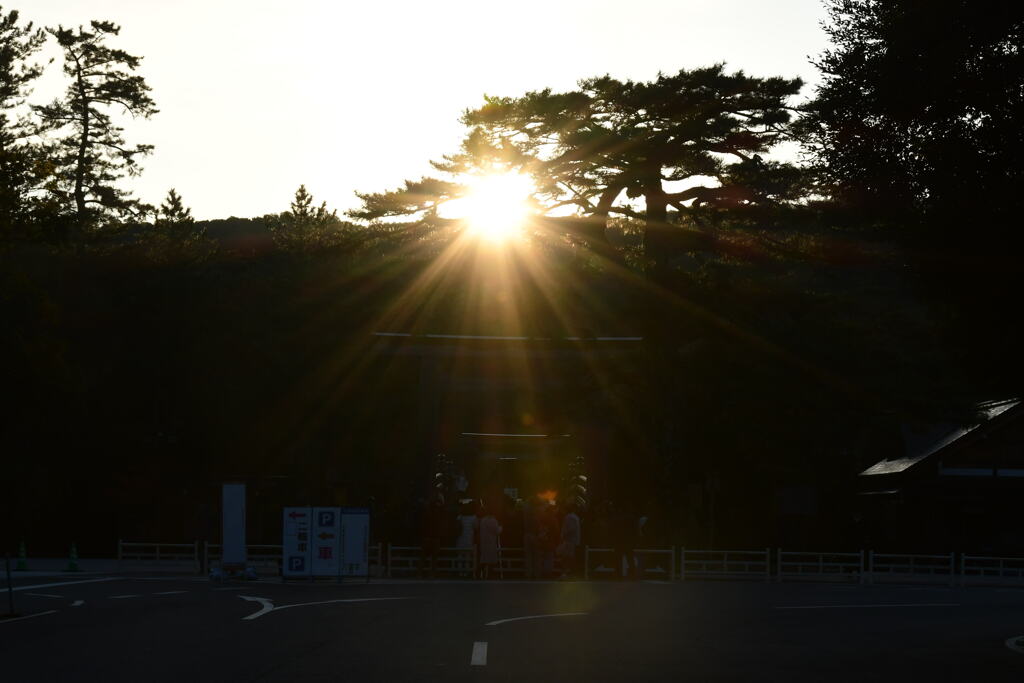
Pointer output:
693, 142
20, 171
92, 153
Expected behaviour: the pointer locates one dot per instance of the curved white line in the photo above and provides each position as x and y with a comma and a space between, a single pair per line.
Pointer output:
536, 616
268, 606
326, 602
1016, 644
30, 616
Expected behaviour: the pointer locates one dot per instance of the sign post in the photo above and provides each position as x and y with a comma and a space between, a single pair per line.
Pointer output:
233, 551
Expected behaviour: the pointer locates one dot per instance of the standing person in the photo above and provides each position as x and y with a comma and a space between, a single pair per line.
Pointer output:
433, 528
490, 532
549, 533
572, 534
467, 525
624, 529
531, 538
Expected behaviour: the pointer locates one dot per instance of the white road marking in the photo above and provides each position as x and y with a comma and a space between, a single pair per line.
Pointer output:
38, 614
78, 603
63, 583
122, 597
1016, 644
908, 604
479, 656
536, 616
45, 595
268, 605
170, 592
232, 588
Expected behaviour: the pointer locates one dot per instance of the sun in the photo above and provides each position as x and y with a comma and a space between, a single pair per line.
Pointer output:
496, 206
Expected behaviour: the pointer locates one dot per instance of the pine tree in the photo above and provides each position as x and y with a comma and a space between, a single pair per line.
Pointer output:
595, 148
20, 167
175, 237
92, 153
305, 228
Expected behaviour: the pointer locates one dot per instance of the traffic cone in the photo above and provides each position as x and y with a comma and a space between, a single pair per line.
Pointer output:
73, 560
22, 565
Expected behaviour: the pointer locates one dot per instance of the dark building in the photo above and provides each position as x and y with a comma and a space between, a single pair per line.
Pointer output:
955, 487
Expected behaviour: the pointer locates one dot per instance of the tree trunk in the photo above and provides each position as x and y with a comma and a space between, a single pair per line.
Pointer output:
656, 225
597, 223
83, 145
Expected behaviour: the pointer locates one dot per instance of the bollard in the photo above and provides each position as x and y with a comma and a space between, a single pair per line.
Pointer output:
22, 565
73, 560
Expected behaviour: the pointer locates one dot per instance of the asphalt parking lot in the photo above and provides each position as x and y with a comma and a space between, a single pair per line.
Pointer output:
134, 628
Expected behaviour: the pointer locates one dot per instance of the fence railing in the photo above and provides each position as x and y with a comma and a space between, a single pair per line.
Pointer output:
166, 556
650, 563
725, 564
897, 567
819, 566
982, 569
406, 560
199, 557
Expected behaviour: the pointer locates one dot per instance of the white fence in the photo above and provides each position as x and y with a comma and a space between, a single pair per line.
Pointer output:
896, 567
725, 564
194, 557
165, 556
406, 560
981, 569
650, 563
819, 566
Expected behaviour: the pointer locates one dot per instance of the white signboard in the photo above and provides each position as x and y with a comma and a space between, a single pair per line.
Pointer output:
326, 541
355, 546
297, 547
232, 529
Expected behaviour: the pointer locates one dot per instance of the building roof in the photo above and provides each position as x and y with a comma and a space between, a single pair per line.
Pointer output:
919, 445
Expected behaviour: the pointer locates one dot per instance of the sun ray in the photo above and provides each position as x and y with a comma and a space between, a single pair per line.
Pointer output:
496, 206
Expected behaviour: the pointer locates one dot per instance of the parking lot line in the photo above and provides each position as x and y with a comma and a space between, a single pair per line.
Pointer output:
30, 616
906, 604
536, 616
63, 583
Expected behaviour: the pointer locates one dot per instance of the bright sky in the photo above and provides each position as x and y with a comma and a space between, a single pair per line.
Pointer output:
257, 97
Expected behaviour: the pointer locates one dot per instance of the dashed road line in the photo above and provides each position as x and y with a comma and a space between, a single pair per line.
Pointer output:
45, 595
1016, 644
170, 592
78, 603
536, 616
907, 604
122, 597
30, 616
479, 656
63, 583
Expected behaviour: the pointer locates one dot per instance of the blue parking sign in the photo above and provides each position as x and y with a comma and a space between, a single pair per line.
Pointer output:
296, 563
325, 518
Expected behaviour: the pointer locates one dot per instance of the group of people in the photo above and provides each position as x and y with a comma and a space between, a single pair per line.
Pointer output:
550, 536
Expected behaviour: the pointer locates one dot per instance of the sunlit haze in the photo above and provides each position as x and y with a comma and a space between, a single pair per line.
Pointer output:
258, 97
496, 206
